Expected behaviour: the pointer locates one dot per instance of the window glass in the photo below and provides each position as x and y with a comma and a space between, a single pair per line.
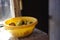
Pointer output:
5, 11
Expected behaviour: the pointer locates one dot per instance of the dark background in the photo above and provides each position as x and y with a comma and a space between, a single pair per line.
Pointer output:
38, 9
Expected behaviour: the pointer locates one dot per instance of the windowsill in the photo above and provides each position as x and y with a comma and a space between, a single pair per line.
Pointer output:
1, 24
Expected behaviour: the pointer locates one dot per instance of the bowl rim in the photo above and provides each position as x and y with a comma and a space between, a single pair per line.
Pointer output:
23, 26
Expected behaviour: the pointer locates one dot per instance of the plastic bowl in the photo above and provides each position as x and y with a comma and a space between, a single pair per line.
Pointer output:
23, 30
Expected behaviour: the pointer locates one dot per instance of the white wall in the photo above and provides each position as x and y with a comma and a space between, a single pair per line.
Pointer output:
54, 24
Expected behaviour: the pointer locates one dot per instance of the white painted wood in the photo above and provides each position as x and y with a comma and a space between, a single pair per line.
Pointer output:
12, 8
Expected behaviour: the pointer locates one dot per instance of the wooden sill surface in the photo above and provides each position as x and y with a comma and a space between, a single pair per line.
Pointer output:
36, 35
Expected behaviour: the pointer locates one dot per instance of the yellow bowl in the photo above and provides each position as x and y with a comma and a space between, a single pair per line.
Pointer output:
23, 30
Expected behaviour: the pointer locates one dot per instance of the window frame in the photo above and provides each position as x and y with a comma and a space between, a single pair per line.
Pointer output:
16, 7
